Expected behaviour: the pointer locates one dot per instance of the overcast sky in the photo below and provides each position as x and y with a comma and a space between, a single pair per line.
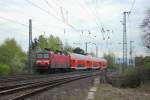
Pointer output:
75, 16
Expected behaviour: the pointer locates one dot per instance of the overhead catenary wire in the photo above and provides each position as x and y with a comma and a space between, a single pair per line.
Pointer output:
65, 18
132, 6
99, 28
17, 22
50, 6
49, 13
13, 21
35, 5
84, 9
97, 20
82, 6
63, 12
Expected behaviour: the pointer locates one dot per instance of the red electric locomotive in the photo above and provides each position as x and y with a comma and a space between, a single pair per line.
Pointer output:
49, 61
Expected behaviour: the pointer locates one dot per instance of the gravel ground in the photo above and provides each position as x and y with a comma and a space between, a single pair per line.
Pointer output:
107, 92
76, 90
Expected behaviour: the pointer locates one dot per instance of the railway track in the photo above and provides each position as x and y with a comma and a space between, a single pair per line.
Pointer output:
14, 81
4, 79
19, 78
21, 92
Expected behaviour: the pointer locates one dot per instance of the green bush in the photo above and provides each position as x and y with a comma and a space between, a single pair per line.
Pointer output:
4, 69
147, 69
12, 55
131, 78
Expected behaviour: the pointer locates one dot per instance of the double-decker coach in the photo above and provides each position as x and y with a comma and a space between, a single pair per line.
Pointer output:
78, 61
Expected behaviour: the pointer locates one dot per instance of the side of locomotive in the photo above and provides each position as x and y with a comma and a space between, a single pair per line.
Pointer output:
48, 61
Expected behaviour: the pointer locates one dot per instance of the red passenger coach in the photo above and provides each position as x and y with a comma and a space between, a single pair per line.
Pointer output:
78, 61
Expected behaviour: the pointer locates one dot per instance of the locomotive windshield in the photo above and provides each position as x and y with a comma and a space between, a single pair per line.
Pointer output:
42, 55
45, 55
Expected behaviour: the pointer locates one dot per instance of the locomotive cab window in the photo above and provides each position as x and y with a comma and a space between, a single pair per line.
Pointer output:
39, 55
42, 55
45, 55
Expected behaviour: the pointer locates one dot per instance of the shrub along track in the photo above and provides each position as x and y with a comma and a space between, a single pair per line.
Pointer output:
29, 89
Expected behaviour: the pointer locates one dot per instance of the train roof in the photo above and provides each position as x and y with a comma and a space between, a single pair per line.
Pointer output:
85, 57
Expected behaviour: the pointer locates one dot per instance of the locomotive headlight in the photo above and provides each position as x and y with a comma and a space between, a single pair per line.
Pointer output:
42, 62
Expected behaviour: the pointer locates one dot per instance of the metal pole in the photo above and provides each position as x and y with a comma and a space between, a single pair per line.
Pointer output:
30, 45
124, 42
125, 59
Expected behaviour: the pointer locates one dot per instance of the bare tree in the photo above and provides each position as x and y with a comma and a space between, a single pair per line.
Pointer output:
146, 29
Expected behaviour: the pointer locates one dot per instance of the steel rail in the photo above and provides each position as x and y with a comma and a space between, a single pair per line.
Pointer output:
29, 86
33, 88
21, 77
2, 88
49, 86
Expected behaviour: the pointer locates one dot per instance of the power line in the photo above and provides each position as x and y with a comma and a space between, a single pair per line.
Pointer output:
132, 6
64, 18
96, 21
50, 5
16, 22
97, 18
13, 21
35, 5
83, 6
67, 16
62, 13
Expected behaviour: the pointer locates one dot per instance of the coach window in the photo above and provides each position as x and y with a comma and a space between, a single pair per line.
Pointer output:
46, 55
